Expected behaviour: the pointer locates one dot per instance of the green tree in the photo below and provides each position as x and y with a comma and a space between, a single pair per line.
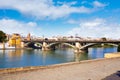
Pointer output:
2, 36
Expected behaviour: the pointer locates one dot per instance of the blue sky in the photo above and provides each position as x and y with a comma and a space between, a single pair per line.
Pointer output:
86, 18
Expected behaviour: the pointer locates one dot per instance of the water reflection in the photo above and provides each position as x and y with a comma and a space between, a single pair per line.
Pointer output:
36, 57
94, 53
80, 56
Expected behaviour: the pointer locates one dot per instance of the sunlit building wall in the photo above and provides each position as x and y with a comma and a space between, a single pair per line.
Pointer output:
15, 40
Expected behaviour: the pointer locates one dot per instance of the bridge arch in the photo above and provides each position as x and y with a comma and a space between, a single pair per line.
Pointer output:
57, 43
92, 44
38, 44
33, 45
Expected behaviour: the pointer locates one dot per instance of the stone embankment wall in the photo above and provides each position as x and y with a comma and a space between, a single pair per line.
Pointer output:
30, 68
112, 55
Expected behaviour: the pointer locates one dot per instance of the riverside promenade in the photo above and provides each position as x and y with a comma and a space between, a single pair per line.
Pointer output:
100, 69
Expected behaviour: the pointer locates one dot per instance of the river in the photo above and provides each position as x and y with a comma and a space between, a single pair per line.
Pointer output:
36, 57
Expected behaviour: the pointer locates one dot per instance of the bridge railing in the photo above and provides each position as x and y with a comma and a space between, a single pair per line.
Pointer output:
87, 41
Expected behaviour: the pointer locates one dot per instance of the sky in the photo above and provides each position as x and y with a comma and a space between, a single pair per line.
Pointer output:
84, 18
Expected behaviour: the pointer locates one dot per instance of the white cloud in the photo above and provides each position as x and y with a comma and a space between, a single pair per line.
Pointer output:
98, 4
68, 3
12, 26
91, 23
46, 8
94, 23
97, 28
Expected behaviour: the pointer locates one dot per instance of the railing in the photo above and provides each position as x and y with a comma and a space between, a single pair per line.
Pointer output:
86, 41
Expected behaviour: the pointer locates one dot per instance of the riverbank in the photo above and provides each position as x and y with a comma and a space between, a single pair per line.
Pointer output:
84, 70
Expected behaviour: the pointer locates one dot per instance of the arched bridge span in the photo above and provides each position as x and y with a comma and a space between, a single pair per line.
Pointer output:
46, 45
67, 44
92, 44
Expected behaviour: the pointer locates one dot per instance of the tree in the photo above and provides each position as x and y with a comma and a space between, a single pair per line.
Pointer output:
2, 36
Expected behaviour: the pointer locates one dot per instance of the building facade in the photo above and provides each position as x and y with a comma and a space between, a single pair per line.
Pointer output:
15, 40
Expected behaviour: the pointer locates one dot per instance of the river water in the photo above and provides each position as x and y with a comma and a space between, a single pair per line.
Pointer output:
36, 57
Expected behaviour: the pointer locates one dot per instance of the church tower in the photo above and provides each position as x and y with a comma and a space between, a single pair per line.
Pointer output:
29, 37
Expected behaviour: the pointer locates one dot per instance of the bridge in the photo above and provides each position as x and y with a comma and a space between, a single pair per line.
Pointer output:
77, 45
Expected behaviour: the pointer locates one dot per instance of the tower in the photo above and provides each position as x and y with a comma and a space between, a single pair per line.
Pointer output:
28, 37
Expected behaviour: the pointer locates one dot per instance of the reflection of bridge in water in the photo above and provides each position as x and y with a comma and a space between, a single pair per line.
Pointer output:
77, 45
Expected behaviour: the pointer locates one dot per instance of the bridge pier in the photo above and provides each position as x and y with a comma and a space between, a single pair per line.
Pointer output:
77, 47
78, 51
44, 47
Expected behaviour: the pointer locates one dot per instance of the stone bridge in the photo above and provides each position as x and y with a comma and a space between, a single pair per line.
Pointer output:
78, 46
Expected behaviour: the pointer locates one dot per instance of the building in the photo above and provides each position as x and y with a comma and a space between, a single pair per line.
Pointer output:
15, 40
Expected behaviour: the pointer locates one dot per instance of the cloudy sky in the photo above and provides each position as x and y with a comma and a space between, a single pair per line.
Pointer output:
86, 18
